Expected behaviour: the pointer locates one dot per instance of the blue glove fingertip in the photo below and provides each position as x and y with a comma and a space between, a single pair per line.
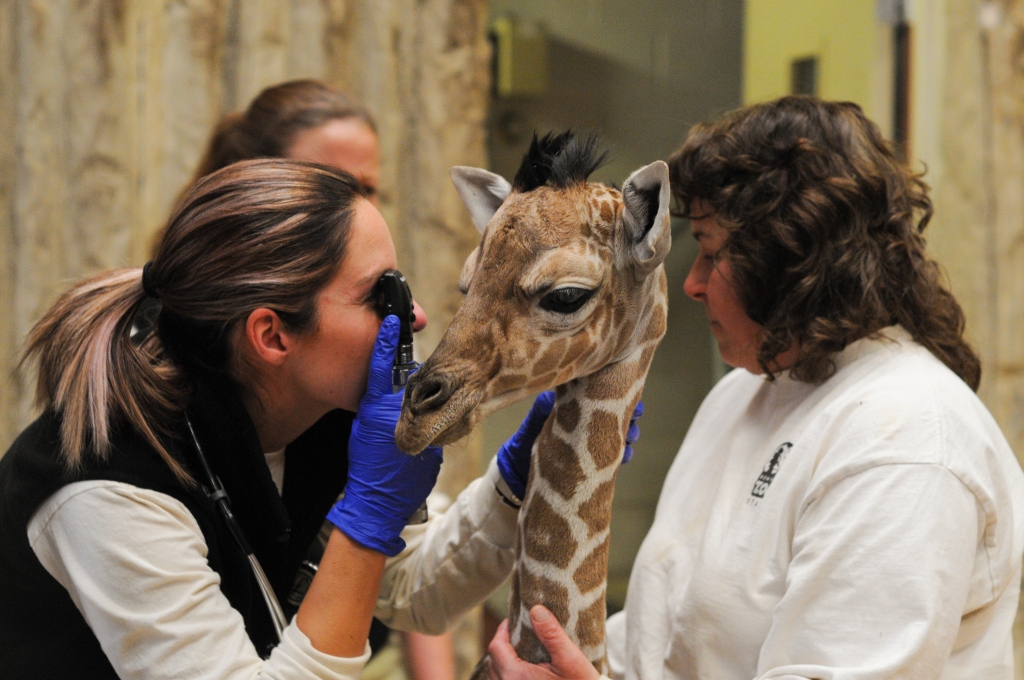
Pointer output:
383, 357
633, 433
387, 337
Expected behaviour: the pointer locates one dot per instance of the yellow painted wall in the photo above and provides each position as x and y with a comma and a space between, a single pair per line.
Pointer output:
843, 34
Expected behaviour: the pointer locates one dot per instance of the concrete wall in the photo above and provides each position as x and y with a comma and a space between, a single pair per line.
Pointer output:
970, 132
641, 74
968, 127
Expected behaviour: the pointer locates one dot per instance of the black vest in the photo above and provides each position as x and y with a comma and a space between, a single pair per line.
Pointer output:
42, 633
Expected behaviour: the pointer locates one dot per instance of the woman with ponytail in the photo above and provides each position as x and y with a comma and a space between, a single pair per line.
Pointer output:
182, 467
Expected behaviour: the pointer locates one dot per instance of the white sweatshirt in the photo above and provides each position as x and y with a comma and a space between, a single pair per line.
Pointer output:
134, 562
869, 527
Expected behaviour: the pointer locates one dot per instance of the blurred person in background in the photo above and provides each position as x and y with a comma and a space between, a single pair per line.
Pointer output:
304, 120
843, 505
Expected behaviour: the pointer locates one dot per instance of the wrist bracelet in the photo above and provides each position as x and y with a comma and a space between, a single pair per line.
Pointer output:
506, 495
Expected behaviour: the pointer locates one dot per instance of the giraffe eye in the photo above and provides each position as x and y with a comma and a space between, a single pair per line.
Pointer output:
565, 300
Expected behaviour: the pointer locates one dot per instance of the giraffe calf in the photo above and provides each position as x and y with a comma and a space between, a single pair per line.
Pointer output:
566, 289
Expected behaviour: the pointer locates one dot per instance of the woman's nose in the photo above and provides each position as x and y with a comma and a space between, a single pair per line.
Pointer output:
421, 317
696, 283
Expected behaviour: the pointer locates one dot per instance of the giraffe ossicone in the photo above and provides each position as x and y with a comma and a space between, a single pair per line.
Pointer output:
566, 289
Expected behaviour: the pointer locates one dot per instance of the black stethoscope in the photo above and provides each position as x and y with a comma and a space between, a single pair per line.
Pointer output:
215, 492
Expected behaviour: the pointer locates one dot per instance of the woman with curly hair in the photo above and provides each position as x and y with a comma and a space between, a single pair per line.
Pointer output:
843, 505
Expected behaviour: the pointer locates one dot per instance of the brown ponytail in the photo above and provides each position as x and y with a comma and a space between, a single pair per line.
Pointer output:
265, 233
90, 372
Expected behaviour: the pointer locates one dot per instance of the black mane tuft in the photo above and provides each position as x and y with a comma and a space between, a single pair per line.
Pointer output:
559, 160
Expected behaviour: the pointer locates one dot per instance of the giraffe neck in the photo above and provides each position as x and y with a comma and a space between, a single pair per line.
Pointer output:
561, 555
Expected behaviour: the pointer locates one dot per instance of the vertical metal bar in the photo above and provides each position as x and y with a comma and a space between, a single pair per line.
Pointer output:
901, 86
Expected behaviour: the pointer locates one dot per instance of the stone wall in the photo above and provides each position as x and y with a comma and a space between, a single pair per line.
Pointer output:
105, 106
969, 133
968, 128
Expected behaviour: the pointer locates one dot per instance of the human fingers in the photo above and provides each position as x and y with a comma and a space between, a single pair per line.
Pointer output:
432, 456
567, 660
503, 655
383, 357
633, 432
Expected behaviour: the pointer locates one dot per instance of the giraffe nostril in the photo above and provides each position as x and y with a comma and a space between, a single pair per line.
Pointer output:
430, 393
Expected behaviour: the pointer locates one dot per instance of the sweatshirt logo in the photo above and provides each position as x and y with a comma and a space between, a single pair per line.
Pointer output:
771, 469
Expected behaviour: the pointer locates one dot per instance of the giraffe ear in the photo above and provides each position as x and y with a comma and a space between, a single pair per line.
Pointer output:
645, 216
483, 192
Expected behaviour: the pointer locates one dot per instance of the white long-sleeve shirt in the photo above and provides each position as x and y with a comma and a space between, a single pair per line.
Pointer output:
134, 563
870, 527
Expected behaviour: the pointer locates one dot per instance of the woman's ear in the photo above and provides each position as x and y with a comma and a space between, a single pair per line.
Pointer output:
267, 337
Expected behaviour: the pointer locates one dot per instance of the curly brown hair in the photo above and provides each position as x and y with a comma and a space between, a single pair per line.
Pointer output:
825, 240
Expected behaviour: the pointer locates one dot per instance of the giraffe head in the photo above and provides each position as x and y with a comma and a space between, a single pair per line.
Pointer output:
563, 282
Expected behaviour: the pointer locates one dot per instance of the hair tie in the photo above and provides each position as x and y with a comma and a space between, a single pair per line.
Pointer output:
147, 281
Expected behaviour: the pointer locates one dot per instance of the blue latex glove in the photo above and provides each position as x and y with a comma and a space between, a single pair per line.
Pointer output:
633, 433
514, 455
385, 486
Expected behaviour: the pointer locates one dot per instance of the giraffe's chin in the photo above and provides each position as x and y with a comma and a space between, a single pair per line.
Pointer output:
446, 425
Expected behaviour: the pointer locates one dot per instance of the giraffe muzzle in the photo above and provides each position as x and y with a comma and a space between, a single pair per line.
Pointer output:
437, 410
429, 393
